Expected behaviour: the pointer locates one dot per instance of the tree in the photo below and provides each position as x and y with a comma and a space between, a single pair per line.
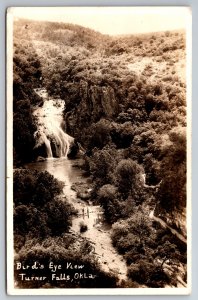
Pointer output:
107, 193
102, 165
172, 190
152, 169
30, 222
33, 187
38, 212
147, 273
128, 176
168, 253
98, 135
58, 216
136, 231
27, 73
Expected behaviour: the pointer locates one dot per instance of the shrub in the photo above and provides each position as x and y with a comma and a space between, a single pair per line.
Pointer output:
83, 227
127, 176
145, 272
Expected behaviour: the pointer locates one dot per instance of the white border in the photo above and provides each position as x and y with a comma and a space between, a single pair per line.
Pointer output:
9, 157
11, 290
189, 146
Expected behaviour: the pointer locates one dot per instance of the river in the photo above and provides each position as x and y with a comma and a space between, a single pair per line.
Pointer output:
98, 231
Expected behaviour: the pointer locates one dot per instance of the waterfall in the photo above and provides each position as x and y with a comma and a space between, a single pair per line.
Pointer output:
58, 137
49, 132
62, 142
48, 146
41, 139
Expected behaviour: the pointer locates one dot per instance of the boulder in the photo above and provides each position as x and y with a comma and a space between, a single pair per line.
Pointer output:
40, 158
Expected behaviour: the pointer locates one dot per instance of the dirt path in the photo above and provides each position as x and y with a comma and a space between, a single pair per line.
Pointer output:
99, 235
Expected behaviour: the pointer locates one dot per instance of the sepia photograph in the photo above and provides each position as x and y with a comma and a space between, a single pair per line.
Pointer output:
98, 150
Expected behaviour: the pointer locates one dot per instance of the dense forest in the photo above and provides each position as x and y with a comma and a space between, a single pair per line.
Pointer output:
125, 103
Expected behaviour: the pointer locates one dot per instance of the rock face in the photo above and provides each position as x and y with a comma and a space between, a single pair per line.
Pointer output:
94, 102
74, 150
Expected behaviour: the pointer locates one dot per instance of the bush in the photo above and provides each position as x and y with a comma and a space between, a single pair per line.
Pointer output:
83, 227
128, 176
147, 273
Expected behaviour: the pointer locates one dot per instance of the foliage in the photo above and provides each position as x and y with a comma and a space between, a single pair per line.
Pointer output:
172, 193
145, 272
26, 76
33, 187
153, 256
38, 212
128, 176
61, 251
114, 206
135, 231
102, 165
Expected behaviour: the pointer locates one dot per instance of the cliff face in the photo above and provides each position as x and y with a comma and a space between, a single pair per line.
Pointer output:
95, 102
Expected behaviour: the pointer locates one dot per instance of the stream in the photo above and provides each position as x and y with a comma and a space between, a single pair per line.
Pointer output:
98, 233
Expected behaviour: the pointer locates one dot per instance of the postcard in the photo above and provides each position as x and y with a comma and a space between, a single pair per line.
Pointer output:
98, 150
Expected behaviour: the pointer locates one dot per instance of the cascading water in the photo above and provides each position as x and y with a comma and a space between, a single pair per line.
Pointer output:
42, 138
49, 132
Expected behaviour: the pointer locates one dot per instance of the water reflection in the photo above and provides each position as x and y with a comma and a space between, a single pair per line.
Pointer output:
61, 169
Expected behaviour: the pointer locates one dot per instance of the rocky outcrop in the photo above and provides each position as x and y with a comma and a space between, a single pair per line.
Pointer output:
82, 189
95, 102
40, 158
